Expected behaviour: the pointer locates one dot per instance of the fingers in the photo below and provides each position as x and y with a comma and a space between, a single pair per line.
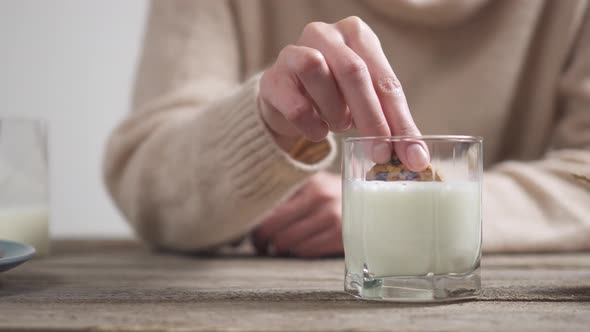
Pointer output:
391, 96
354, 81
295, 208
326, 243
315, 208
281, 89
352, 78
338, 77
312, 70
296, 233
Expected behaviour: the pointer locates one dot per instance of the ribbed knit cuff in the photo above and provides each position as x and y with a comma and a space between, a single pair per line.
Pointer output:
258, 167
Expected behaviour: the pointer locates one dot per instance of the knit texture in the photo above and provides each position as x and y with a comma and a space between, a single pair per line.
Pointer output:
194, 166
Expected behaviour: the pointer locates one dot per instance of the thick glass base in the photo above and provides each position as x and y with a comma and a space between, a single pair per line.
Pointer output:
427, 288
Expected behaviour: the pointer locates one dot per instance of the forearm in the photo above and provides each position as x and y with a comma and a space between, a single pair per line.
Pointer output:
188, 179
538, 206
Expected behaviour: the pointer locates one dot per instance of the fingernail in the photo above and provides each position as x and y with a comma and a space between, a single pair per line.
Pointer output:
417, 157
381, 152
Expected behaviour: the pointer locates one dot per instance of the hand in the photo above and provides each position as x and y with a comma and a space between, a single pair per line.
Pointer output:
334, 78
308, 224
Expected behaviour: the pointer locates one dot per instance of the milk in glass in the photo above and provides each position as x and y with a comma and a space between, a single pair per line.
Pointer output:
27, 224
411, 228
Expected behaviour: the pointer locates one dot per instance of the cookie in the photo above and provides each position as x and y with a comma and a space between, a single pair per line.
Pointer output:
394, 170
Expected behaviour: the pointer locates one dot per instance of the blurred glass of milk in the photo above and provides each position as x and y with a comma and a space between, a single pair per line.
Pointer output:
24, 203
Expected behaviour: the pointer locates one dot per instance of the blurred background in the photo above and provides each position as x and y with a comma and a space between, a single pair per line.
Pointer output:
72, 63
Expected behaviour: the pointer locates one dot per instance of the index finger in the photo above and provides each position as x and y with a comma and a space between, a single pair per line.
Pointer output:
389, 91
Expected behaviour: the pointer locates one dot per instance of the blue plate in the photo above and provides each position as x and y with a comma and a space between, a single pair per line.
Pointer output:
13, 254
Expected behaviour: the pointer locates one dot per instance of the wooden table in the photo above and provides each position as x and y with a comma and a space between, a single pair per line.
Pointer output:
120, 286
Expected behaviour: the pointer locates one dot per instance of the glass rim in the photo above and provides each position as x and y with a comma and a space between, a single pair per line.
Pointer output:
449, 138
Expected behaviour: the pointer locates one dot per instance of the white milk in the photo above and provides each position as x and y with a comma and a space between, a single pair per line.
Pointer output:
29, 224
411, 228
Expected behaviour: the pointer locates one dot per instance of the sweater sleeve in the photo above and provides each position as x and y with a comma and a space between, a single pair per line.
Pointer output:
545, 205
194, 166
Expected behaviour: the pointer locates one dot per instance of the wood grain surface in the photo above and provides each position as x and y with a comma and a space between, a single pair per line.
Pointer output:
121, 286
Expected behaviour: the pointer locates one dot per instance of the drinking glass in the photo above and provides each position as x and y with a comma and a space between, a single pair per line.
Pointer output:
24, 206
413, 239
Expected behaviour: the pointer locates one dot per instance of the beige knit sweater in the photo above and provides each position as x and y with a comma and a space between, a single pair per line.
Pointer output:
194, 166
